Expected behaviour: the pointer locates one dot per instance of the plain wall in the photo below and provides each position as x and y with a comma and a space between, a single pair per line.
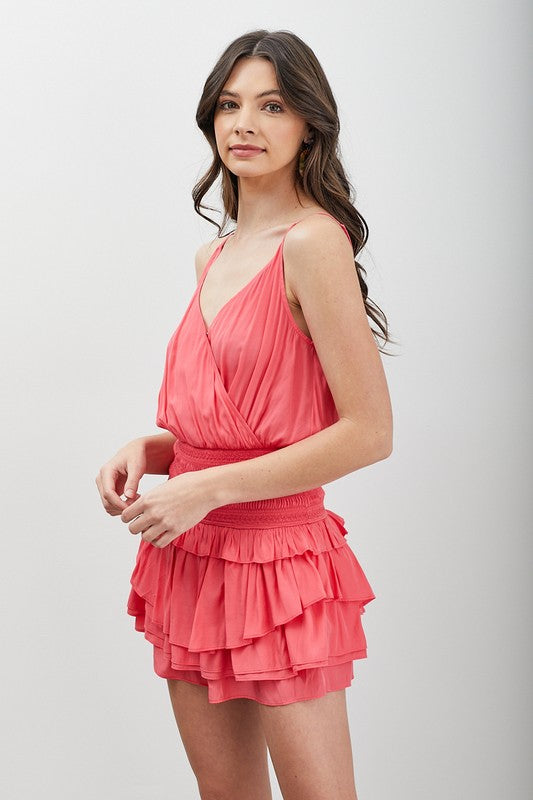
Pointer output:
100, 151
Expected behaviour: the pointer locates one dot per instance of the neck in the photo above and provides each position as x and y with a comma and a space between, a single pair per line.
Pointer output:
266, 202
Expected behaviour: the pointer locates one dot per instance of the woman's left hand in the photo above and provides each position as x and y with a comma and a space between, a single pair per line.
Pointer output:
168, 510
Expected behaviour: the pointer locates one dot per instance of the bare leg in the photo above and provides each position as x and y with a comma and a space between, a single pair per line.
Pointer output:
310, 747
224, 742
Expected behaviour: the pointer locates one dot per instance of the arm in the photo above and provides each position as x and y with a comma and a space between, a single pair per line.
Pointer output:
319, 266
159, 452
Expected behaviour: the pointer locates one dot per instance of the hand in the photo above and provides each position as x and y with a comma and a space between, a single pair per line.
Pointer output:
168, 510
121, 475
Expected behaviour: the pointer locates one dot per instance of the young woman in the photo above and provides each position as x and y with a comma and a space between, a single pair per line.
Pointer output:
273, 385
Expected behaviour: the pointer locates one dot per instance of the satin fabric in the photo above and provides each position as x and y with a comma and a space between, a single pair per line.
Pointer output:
261, 599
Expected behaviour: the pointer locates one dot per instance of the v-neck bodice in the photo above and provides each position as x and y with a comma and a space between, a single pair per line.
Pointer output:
237, 296
250, 379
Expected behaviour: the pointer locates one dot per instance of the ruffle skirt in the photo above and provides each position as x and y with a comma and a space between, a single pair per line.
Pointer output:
261, 599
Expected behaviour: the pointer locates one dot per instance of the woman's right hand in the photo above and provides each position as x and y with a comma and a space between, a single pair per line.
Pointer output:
121, 476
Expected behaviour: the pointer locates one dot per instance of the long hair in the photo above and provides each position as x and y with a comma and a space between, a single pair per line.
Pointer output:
304, 87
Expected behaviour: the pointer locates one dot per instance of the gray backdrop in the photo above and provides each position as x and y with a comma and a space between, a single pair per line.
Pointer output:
99, 152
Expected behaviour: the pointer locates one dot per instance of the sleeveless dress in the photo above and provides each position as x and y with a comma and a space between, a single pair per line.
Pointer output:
261, 599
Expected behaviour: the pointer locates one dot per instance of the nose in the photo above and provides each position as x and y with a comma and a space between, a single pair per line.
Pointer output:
244, 122
241, 128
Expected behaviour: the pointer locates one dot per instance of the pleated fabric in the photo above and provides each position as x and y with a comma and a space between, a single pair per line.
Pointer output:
261, 599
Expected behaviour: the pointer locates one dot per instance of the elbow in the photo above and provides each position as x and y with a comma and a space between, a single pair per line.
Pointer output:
384, 436
383, 445
377, 442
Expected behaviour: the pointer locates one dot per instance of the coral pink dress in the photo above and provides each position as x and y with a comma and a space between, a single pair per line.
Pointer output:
261, 599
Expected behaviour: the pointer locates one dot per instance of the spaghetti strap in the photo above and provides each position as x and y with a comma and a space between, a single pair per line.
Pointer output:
220, 246
326, 214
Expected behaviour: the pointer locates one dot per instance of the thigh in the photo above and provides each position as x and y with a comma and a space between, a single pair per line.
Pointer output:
224, 742
310, 747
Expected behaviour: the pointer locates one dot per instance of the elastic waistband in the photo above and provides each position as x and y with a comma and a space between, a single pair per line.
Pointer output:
292, 509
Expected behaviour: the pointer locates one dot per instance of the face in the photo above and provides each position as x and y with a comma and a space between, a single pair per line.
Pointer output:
244, 117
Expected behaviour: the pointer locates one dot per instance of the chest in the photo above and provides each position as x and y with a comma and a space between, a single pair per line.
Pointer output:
229, 279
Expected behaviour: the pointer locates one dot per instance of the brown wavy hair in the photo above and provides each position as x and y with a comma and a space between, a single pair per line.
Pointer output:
305, 88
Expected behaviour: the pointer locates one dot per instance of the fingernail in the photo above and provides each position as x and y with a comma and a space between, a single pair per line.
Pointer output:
129, 492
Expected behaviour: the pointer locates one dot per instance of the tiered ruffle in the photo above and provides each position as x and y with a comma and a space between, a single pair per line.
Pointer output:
273, 614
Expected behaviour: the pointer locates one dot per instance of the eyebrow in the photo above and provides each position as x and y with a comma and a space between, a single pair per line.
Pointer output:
262, 94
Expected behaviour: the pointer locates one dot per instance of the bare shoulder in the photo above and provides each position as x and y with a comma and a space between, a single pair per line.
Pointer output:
320, 260
317, 251
204, 253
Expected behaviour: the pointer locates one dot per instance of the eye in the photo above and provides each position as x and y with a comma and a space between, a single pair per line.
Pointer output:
277, 105
225, 103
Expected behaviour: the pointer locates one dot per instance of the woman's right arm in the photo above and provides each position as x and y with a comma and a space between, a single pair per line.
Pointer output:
159, 450
147, 455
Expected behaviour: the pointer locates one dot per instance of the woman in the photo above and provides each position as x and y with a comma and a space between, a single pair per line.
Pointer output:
273, 385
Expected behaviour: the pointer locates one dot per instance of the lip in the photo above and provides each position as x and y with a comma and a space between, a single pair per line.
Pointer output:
247, 147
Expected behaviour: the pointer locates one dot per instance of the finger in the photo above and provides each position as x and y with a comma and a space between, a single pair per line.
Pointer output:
139, 524
153, 533
111, 481
132, 510
129, 501
135, 474
106, 486
164, 539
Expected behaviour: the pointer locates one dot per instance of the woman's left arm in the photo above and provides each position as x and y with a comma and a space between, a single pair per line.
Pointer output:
319, 266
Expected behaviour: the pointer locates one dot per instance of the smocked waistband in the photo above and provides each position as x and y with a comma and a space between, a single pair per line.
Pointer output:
290, 509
